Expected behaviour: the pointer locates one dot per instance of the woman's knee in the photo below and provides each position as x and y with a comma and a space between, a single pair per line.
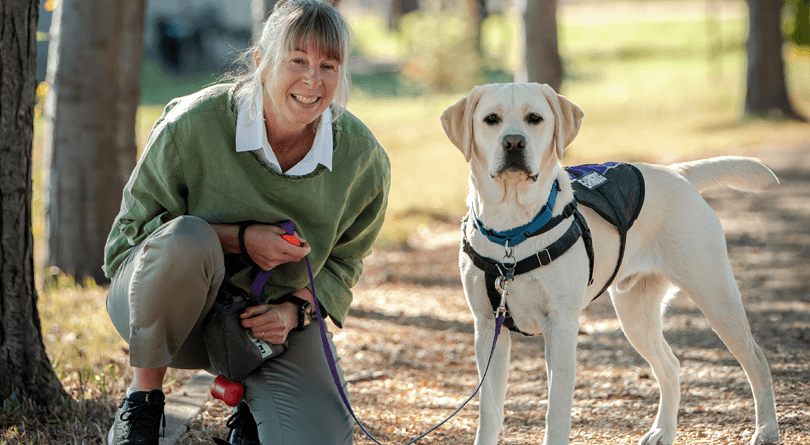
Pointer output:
189, 238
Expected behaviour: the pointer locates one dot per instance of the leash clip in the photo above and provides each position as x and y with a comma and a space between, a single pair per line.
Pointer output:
500, 286
507, 270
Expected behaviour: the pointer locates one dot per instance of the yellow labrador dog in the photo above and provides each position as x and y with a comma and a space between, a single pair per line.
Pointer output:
514, 137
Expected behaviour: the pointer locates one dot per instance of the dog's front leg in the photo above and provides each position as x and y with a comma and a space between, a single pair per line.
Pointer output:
561, 357
493, 389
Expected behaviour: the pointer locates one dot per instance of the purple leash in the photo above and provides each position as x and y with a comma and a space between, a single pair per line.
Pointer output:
261, 279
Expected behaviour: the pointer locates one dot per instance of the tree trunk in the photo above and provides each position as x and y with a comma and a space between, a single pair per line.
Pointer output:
25, 370
478, 13
94, 71
398, 9
766, 89
541, 57
259, 9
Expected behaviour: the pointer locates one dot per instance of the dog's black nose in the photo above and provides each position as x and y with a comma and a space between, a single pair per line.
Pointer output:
513, 142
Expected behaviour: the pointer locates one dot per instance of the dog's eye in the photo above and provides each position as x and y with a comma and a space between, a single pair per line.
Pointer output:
492, 119
534, 118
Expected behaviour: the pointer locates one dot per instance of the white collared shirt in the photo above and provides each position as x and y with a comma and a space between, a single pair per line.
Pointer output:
251, 135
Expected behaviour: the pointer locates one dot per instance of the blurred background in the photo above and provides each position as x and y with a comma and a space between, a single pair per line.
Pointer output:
658, 80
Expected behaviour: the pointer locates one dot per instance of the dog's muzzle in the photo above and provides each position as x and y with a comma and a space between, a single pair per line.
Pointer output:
514, 155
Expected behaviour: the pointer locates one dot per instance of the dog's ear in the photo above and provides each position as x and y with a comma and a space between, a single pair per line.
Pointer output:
568, 116
457, 122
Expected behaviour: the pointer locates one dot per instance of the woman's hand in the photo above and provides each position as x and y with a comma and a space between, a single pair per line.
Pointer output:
267, 249
272, 322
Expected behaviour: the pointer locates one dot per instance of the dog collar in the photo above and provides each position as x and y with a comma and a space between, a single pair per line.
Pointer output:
519, 234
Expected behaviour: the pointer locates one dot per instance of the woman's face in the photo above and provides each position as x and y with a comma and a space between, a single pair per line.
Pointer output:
303, 87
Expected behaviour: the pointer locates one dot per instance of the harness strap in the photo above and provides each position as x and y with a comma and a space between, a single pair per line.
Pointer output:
539, 259
609, 205
517, 235
587, 238
568, 210
623, 243
492, 268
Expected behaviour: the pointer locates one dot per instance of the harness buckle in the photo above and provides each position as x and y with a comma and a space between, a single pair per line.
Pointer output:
547, 257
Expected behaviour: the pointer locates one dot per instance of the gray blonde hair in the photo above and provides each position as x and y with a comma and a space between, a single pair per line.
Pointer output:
291, 23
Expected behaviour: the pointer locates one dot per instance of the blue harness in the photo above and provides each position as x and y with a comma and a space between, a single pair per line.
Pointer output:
614, 190
519, 234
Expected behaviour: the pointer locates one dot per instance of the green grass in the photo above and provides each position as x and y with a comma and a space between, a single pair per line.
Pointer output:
666, 90
645, 98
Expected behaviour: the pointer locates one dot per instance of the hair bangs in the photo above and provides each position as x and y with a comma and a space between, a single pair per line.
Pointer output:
316, 29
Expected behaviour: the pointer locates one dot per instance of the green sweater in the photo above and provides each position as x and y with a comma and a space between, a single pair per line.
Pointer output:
190, 167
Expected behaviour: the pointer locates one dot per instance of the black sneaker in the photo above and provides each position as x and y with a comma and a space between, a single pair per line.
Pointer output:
138, 419
243, 426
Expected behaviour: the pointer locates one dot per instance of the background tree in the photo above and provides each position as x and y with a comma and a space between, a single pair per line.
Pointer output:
398, 9
94, 71
478, 13
800, 34
766, 85
258, 11
540, 60
25, 370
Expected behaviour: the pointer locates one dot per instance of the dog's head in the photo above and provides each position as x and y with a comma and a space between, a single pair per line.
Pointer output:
512, 132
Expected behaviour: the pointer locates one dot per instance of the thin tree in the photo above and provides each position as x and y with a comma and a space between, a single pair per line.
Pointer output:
478, 13
25, 370
766, 85
398, 9
540, 60
94, 71
259, 9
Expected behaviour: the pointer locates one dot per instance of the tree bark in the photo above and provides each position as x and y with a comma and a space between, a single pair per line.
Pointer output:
259, 9
25, 370
94, 71
541, 57
766, 89
478, 13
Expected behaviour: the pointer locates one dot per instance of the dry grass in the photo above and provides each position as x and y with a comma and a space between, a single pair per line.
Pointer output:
407, 348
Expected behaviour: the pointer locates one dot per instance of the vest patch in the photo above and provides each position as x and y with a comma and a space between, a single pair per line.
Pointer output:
592, 180
615, 190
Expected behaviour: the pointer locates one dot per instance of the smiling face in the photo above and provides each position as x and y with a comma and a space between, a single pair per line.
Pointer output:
301, 88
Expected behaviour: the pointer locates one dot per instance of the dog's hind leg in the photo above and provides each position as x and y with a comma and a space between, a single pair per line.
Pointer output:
716, 294
493, 390
639, 311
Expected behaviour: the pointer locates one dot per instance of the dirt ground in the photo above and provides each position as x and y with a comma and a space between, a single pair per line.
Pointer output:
407, 349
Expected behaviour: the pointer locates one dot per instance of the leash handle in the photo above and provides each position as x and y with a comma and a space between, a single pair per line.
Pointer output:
262, 276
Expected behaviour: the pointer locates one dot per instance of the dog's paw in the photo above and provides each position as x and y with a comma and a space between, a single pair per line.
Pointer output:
766, 436
657, 436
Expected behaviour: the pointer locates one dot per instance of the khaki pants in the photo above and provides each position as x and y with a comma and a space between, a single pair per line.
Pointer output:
158, 300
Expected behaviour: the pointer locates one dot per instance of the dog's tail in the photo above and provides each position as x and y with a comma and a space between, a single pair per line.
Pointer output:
747, 174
